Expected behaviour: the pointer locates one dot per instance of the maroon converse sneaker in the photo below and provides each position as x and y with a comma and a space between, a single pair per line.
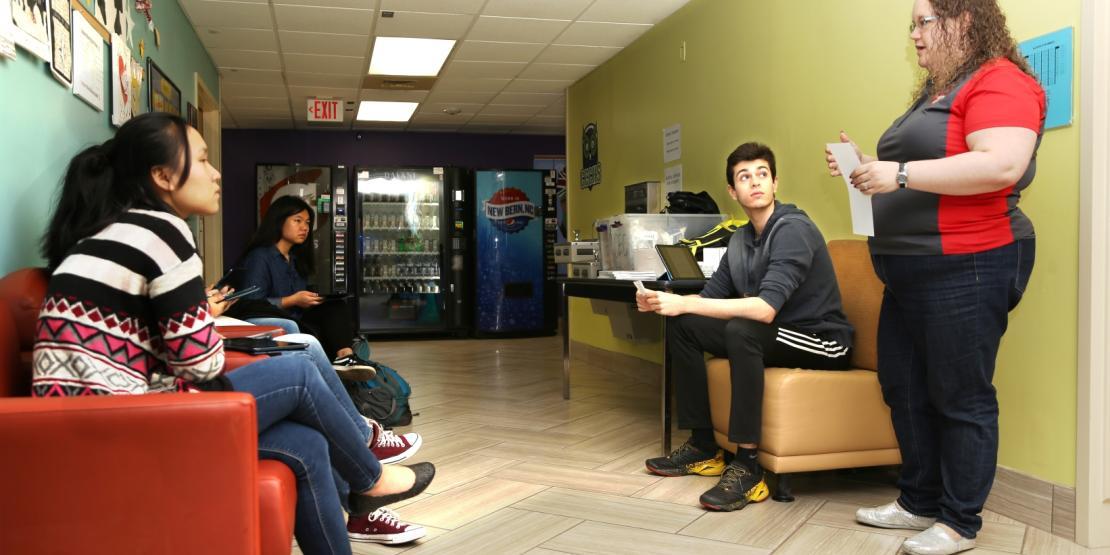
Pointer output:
389, 447
383, 526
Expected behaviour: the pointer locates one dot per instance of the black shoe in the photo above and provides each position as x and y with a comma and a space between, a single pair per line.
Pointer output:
687, 459
366, 504
739, 485
354, 369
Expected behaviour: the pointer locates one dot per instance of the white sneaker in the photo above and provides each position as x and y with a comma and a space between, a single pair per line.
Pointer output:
936, 541
892, 515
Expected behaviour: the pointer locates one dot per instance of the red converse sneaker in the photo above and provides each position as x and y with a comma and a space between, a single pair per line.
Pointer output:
389, 447
383, 526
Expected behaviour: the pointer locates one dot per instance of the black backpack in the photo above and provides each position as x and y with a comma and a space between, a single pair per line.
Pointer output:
685, 202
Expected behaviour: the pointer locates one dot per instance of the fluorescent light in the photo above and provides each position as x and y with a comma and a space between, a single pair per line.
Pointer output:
409, 57
375, 110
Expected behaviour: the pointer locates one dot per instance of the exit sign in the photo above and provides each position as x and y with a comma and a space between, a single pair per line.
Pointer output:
325, 110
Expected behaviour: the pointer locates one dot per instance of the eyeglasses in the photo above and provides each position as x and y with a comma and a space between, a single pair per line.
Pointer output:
922, 22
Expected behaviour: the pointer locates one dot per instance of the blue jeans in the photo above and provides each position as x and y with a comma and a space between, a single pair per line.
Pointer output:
284, 323
301, 424
940, 325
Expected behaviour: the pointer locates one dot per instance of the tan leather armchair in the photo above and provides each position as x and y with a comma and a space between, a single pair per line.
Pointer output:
817, 419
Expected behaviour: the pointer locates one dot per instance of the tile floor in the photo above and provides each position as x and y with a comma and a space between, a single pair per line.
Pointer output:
520, 470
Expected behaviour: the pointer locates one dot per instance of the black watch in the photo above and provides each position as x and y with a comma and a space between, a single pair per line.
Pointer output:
902, 176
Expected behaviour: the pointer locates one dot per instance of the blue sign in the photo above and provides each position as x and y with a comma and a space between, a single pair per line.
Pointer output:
1051, 59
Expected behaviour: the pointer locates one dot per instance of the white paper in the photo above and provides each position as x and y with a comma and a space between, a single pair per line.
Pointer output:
672, 143
672, 180
88, 62
30, 25
7, 43
121, 81
713, 256
863, 220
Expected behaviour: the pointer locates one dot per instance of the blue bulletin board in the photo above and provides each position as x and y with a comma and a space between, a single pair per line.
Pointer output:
1051, 58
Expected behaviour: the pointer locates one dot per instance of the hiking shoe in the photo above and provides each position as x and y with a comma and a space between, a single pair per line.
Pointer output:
353, 369
738, 486
687, 459
383, 526
389, 447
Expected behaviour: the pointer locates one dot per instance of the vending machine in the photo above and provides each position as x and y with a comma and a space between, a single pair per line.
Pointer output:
324, 188
409, 269
514, 268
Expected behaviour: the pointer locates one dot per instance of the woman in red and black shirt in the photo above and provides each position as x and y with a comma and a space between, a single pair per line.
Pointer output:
955, 253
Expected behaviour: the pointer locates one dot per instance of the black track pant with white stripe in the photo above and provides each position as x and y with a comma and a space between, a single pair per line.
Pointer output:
750, 347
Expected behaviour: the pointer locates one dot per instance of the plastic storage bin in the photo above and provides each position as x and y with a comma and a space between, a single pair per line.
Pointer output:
628, 240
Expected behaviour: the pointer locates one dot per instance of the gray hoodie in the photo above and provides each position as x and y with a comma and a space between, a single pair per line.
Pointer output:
788, 266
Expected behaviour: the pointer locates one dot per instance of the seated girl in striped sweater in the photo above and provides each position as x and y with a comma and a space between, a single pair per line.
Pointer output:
126, 312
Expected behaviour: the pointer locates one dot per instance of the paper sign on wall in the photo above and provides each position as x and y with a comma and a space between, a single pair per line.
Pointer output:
672, 143
672, 179
88, 62
1051, 58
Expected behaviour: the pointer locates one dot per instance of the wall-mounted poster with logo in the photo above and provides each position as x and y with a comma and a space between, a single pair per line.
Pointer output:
591, 167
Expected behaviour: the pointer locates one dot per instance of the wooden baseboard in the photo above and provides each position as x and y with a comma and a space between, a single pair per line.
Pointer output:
631, 367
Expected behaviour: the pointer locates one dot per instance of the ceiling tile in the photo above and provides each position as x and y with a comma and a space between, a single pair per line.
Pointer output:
314, 19
545, 9
441, 118
424, 25
323, 43
393, 96
585, 33
245, 59
487, 51
356, 4
439, 95
512, 29
631, 11
565, 72
317, 63
497, 119
250, 89
237, 39
209, 13
567, 54
538, 86
255, 102
547, 120
300, 93
509, 110
556, 109
471, 85
437, 108
434, 6
483, 70
324, 79
535, 130
526, 99
259, 76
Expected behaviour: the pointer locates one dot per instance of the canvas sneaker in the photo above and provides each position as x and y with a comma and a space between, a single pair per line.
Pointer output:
383, 526
353, 369
739, 485
688, 459
389, 447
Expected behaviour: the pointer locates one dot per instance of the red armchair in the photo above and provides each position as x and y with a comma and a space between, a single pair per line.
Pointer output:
129, 474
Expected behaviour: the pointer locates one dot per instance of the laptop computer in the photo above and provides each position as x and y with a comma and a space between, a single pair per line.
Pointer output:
680, 264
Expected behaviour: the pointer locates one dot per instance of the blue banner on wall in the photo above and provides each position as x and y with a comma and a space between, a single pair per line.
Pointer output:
1051, 58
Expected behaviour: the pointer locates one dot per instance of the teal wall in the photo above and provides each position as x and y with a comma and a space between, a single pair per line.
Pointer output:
42, 124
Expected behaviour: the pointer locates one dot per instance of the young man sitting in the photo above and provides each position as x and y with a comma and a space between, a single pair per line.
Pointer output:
773, 301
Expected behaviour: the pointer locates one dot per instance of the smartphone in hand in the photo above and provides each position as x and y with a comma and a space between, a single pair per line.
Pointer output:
242, 293
228, 278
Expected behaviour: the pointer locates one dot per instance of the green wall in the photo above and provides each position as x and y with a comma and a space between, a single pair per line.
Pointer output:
792, 74
42, 124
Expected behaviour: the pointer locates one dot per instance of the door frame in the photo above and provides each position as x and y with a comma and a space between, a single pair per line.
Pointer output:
1093, 384
211, 227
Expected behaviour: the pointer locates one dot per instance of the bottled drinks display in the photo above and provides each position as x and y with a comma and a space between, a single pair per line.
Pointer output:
401, 242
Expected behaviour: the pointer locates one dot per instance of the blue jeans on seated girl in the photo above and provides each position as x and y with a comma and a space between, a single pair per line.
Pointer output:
284, 323
301, 424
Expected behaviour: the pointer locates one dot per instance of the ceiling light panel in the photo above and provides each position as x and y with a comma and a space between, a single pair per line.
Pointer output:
409, 56
374, 110
514, 29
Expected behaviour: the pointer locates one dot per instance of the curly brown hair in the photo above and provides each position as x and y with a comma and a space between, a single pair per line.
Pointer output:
986, 37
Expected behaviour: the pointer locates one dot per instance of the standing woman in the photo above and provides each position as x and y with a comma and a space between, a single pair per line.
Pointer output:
278, 260
955, 253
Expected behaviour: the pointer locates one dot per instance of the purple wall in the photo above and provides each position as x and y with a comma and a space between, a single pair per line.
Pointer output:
243, 149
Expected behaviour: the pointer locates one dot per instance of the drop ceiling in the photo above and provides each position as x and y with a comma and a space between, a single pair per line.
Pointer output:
508, 72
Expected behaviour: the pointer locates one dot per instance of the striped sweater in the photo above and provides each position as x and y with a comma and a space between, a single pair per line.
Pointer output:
125, 313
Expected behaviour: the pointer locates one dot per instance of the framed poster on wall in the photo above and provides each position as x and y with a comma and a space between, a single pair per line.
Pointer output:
163, 95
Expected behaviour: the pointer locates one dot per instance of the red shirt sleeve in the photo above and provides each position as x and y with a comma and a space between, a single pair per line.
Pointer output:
1004, 96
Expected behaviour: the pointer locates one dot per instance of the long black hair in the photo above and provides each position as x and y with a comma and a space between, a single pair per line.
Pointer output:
104, 181
269, 231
